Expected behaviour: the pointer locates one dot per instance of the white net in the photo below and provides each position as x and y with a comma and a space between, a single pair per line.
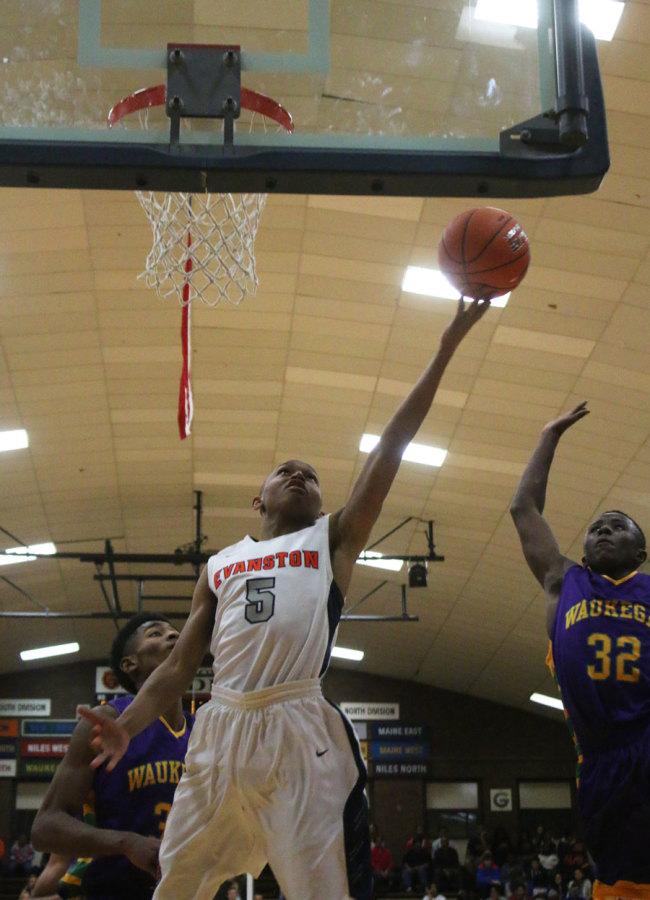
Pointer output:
204, 240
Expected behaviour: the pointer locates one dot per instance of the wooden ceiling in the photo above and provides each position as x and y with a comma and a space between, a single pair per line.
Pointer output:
90, 365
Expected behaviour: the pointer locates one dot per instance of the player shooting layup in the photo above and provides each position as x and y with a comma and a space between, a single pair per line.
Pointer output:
598, 616
273, 769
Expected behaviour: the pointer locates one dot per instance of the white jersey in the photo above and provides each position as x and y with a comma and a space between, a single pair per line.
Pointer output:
278, 609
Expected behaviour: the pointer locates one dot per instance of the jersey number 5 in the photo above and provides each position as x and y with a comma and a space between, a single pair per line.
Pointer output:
260, 600
629, 651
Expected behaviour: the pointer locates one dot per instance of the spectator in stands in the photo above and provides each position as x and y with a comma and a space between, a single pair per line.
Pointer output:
500, 845
576, 858
21, 856
419, 838
438, 841
415, 866
558, 884
446, 866
433, 893
525, 846
476, 846
538, 880
487, 874
579, 888
518, 891
548, 857
495, 893
382, 865
538, 838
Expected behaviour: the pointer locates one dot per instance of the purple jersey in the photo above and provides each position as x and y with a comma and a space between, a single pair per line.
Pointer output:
136, 796
601, 656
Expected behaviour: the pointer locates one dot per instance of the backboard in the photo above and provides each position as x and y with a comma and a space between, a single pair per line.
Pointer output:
415, 97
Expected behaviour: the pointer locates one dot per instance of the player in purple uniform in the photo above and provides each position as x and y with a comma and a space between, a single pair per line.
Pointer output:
598, 620
130, 803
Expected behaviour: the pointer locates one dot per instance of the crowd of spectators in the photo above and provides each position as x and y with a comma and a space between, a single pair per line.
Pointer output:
494, 867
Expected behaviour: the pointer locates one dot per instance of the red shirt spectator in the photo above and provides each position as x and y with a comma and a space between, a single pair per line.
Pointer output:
382, 858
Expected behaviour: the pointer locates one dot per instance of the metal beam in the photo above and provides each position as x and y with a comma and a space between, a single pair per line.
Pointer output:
111, 571
142, 577
20, 614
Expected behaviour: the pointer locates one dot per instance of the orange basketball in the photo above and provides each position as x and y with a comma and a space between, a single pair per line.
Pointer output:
484, 252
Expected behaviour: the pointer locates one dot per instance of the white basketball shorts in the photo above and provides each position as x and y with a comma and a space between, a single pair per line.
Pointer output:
273, 776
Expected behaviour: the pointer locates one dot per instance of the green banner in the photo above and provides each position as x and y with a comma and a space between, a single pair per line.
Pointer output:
38, 768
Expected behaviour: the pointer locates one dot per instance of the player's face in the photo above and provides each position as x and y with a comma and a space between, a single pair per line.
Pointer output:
613, 544
155, 641
293, 490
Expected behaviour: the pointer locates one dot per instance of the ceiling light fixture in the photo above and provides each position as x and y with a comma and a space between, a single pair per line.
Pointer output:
348, 653
13, 440
601, 16
432, 283
44, 652
545, 700
46, 549
425, 454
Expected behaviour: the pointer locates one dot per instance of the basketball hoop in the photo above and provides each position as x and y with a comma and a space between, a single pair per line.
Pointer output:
203, 244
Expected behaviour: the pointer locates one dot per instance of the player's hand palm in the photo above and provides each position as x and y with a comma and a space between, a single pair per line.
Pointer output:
559, 426
465, 318
108, 738
142, 851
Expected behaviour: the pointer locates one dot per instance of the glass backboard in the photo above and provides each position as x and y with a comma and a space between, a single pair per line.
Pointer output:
386, 96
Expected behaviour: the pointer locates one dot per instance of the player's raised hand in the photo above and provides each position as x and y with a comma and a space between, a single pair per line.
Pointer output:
108, 738
566, 420
466, 316
142, 851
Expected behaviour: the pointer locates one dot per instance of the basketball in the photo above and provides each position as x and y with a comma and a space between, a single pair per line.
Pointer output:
484, 252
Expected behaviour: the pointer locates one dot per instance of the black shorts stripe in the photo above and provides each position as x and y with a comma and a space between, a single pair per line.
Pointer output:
356, 825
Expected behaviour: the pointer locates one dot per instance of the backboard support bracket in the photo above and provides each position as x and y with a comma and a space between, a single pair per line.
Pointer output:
203, 82
576, 125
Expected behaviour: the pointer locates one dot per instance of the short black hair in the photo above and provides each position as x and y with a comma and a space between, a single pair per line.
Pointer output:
121, 641
619, 512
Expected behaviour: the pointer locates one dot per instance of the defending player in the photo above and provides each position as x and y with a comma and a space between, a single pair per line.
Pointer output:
131, 802
598, 616
274, 771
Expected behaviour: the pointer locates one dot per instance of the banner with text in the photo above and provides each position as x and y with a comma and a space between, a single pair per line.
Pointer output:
49, 748
38, 769
369, 711
48, 727
8, 728
21, 706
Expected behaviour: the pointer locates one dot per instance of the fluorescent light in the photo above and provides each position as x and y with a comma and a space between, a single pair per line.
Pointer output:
13, 440
432, 283
545, 700
43, 549
348, 653
56, 650
522, 14
419, 453
372, 558
601, 16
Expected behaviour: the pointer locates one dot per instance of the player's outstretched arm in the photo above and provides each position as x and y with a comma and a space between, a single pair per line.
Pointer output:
58, 828
166, 684
537, 540
351, 526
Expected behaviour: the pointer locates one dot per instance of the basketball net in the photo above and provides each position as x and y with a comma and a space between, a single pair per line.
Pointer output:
203, 245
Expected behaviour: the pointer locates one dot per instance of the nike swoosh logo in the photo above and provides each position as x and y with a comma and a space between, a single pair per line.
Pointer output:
321, 752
